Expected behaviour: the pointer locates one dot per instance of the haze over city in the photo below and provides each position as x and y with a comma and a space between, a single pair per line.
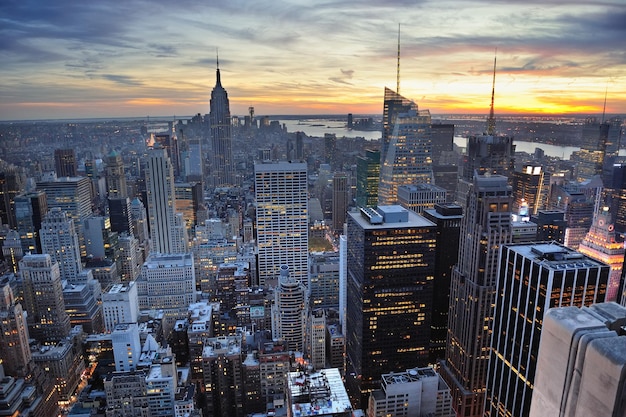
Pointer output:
68, 59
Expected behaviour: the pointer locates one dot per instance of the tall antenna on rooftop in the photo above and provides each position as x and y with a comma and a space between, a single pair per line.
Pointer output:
398, 68
606, 90
491, 122
217, 57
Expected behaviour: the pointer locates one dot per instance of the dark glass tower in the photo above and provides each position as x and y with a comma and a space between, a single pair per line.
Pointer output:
533, 278
65, 163
448, 219
367, 177
391, 260
221, 136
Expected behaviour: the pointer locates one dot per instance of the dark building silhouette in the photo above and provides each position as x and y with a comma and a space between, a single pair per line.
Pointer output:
65, 163
391, 263
367, 178
30, 208
221, 135
448, 219
442, 136
11, 182
551, 225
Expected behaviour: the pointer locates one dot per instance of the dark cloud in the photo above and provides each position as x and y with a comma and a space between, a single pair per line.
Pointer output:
122, 79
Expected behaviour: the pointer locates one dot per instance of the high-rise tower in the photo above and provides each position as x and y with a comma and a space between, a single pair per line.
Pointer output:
281, 219
221, 136
367, 178
65, 163
289, 311
115, 176
485, 227
407, 151
59, 239
533, 278
48, 322
390, 274
167, 228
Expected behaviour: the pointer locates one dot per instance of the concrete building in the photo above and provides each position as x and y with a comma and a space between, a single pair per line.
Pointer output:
222, 384
341, 199
126, 346
581, 362
320, 393
167, 227
59, 239
14, 347
419, 197
281, 220
30, 208
120, 304
415, 392
324, 280
486, 226
289, 311
48, 322
316, 335
167, 282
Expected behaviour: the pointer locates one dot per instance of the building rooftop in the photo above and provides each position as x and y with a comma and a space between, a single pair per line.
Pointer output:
555, 256
385, 217
319, 393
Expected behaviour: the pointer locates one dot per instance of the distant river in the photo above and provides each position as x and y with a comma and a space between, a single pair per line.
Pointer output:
318, 127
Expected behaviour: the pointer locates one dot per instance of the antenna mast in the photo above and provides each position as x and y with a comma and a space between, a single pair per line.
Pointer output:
398, 68
606, 90
491, 122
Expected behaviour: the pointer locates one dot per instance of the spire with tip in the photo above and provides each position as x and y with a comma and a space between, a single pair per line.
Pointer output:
491, 121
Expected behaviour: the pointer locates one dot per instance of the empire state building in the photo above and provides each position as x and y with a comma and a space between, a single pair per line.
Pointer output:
221, 137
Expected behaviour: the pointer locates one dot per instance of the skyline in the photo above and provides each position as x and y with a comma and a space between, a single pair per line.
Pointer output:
67, 60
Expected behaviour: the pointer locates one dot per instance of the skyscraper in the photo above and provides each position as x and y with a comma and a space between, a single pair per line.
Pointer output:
390, 261
367, 178
115, 176
30, 208
340, 200
532, 279
603, 244
393, 105
485, 227
14, 347
448, 218
281, 220
167, 228
60, 240
531, 187
65, 163
47, 319
289, 311
408, 157
442, 135
11, 183
221, 136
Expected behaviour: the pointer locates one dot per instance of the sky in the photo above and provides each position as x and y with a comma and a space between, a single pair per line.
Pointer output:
136, 58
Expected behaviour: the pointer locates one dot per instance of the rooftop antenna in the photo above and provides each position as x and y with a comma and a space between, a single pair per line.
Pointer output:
606, 90
491, 122
398, 68
217, 56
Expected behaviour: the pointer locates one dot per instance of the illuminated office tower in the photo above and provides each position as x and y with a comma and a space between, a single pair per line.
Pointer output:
578, 212
418, 197
189, 201
14, 347
533, 278
167, 228
531, 188
12, 250
324, 280
615, 190
393, 105
408, 157
60, 240
222, 166
289, 311
47, 319
115, 176
281, 220
581, 362
391, 264
486, 226
30, 208
65, 163
602, 244
73, 196
367, 178
341, 195
448, 218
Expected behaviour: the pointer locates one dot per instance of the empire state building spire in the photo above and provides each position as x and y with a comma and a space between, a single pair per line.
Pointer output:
221, 137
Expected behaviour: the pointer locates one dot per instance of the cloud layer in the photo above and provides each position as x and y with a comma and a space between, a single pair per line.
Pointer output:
142, 57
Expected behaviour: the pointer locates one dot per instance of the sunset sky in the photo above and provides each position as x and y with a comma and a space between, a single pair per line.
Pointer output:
75, 59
